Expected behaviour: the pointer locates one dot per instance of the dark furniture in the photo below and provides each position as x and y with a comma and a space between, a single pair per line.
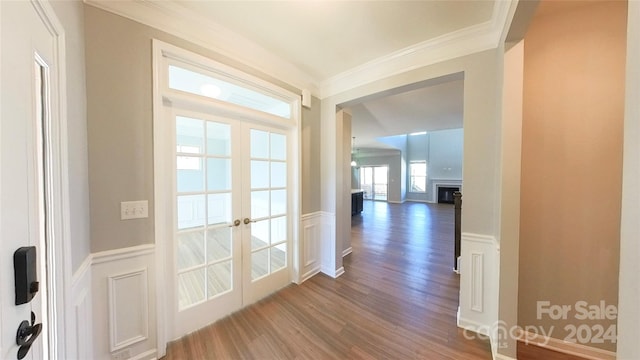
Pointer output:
357, 197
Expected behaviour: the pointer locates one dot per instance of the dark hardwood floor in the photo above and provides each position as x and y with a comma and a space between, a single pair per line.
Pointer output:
397, 300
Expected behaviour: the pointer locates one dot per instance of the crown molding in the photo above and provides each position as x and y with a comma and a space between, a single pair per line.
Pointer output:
466, 41
176, 20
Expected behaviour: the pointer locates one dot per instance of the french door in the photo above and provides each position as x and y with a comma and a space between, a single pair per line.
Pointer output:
231, 241
374, 180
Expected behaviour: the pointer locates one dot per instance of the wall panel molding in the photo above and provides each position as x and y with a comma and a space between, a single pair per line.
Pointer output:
477, 281
123, 288
479, 285
121, 254
310, 260
128, 308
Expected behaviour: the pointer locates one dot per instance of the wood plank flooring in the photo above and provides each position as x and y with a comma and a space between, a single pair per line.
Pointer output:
397, 300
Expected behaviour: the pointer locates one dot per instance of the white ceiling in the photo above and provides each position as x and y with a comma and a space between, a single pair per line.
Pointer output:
323, 44
326, 38
434, 106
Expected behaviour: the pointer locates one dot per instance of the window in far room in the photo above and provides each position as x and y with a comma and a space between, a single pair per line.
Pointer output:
418, 176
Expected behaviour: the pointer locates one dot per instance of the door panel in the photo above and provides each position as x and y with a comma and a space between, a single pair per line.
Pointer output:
28, 103
231, 243
266, 241
207, 201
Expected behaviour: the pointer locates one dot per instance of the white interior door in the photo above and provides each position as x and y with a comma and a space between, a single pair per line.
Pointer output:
207, 242
28, 103
266, 245
231, 209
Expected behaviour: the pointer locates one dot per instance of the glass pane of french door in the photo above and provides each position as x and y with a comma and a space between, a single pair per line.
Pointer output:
265, 202
268, 189
380, 179
374, 182
204, 210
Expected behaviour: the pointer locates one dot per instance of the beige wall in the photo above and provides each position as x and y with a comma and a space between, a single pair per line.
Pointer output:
574, 62
119, 110
310, 144
71, 16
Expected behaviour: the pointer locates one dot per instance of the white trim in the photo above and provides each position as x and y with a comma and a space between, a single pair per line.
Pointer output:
123, 253
497, 356
459, 43
186, 24
470, 325
147, 355
82, 271
477, 281
310, 241
59, 197
565, 347
396, 202
479, 238
114, 305
347, 251
161, 214
310, 216
420, 200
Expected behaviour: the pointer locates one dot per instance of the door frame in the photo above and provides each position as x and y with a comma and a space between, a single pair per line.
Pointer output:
163, 52
58, 213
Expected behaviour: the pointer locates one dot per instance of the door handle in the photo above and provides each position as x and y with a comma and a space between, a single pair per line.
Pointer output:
236, 222
247, 221
27, 334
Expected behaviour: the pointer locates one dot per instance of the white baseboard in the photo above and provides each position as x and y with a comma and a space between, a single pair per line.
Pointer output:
308, 275
420, 201
566, 347
347, 251
147, 355
502, 357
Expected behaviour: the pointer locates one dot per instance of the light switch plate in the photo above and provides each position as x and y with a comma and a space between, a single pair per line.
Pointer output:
134, 209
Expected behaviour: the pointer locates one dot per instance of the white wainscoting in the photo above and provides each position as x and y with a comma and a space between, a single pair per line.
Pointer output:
310, 245
124, 310
79, 314
328, 249
479, 285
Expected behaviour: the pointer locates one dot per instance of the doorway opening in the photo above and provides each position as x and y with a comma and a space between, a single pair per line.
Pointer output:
420, 136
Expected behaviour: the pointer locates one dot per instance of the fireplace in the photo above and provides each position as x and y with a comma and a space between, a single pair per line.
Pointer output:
445, 194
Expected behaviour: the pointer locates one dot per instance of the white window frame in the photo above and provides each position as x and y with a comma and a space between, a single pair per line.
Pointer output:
163, 55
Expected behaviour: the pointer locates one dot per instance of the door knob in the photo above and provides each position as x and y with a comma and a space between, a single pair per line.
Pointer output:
236, 222
27, 334
247, 221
